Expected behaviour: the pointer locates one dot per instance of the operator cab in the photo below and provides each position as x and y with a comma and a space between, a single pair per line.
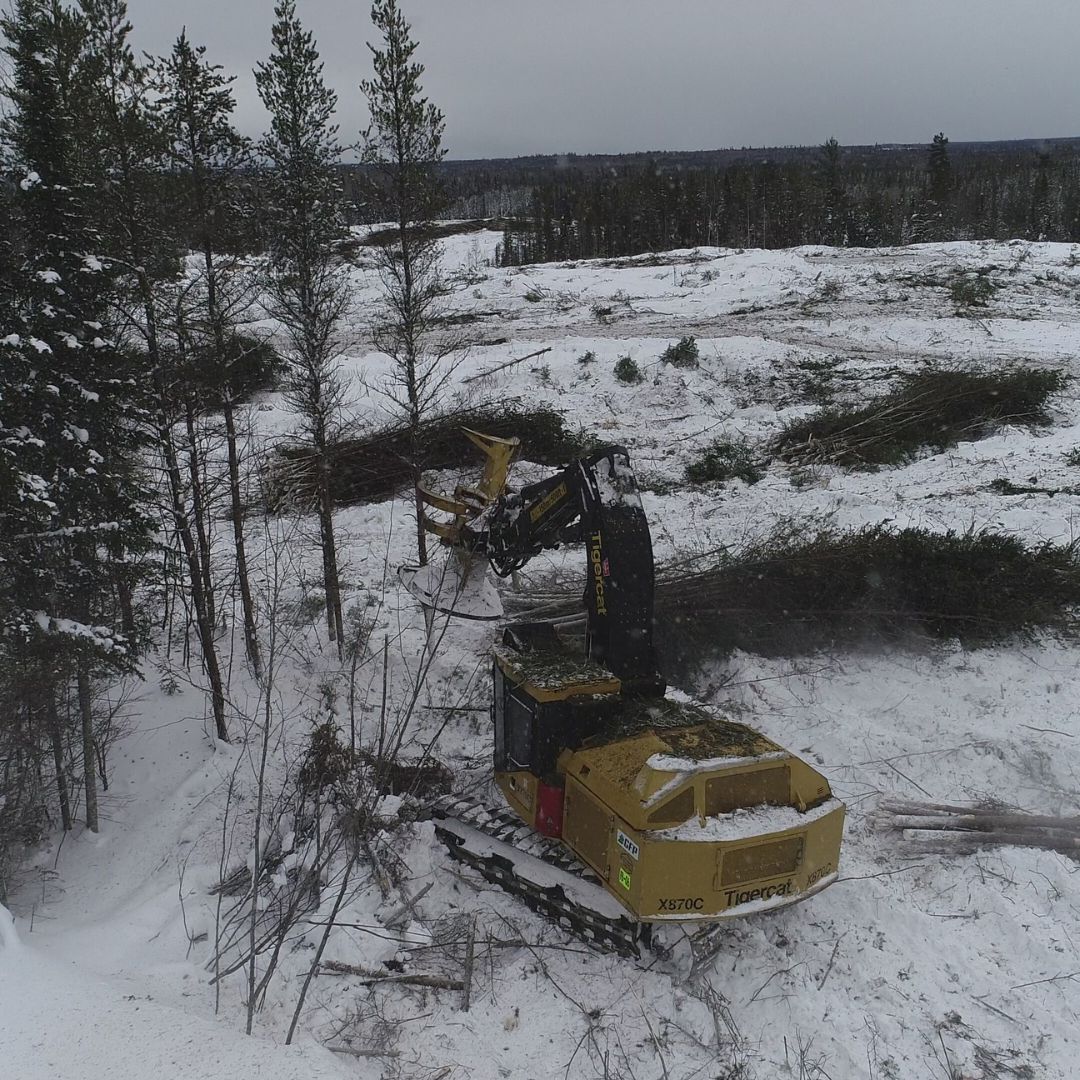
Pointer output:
546, 701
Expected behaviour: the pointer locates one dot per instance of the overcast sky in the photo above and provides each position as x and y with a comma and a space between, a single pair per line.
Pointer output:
551, 76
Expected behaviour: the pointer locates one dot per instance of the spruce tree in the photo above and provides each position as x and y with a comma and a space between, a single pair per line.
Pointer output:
127, 155
834, 229
933, 218
73, 516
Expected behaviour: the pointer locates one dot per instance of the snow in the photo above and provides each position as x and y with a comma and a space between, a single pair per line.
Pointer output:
613, 484
743, 824
685, 766
906, 956
9, 938
100, 635
59, 1023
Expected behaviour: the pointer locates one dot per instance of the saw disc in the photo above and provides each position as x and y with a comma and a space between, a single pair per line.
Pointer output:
466, 593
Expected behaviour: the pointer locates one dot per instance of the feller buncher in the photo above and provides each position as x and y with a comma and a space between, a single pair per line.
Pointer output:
633, 807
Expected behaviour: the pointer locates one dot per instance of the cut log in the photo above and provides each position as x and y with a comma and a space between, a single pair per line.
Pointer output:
945, 827
503, 367
368, 975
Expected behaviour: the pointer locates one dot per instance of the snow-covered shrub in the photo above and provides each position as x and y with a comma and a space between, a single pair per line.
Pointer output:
683, 354
627, 370
724, 459
971, 290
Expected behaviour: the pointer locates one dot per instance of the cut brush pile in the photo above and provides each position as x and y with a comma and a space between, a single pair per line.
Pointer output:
928, 410
376, 465
802, 589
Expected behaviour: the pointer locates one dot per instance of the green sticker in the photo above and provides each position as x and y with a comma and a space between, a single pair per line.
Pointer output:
624, 878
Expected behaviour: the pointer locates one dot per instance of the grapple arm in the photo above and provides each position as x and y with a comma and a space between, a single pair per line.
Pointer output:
595, 500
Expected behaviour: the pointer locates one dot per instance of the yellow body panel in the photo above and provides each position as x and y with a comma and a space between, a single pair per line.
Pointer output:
683, 814
659, 877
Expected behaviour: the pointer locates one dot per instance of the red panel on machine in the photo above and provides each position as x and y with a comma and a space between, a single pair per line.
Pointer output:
549, 808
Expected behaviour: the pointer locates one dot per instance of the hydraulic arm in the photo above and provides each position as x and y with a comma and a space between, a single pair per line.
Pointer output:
594, 501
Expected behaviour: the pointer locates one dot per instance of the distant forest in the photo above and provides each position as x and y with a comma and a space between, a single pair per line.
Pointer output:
555, 208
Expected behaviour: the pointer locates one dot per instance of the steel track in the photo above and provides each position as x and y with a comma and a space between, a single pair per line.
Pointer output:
686, 949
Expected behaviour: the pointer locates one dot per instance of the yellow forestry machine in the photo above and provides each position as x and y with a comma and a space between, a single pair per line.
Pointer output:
633, 808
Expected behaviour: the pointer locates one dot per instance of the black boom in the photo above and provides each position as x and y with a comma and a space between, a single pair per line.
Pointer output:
594, 501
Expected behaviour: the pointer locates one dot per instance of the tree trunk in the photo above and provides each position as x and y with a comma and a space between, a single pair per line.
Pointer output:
203, 625
198, 508
251, 637
180, 518
86, 714
421, 536
408, 330
331, 583
127, 604
57, 736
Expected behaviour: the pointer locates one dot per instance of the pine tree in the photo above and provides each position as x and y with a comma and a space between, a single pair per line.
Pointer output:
308, 286
403, 144
208, 157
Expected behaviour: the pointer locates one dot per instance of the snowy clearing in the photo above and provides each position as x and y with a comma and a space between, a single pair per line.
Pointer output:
911, 965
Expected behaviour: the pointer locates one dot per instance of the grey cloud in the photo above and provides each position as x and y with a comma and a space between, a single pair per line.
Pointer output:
549, 76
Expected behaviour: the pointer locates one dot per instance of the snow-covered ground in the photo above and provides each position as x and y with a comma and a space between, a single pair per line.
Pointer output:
911, 965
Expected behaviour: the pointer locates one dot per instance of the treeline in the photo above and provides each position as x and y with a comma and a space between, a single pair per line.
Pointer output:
833, 196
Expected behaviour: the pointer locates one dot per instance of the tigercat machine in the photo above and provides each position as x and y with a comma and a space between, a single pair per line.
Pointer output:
680, 814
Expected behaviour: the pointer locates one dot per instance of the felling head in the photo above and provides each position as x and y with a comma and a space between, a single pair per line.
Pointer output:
459, 586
